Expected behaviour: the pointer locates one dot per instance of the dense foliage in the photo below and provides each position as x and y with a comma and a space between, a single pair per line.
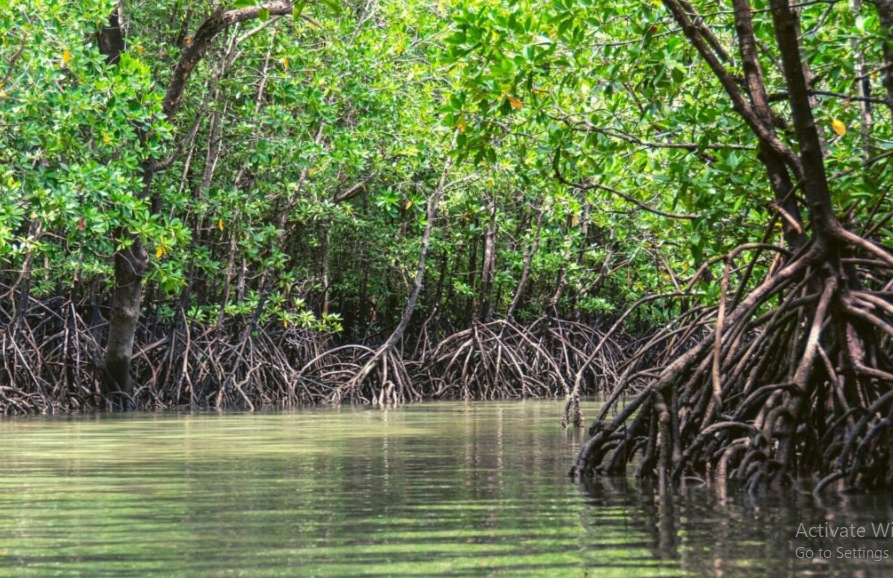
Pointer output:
300, 158
201, 200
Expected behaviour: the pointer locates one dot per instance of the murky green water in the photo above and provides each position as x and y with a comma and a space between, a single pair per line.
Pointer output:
439, 489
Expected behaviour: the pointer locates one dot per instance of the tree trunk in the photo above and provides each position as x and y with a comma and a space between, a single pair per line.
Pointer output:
863, 85
470, 305
779, 179
790, 359
130, 268
131, 263
818, 196
433, 204
383, 352
324, 266
525, 270
488, 272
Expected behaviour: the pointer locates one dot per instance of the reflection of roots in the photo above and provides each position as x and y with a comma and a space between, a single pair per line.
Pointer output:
794, 379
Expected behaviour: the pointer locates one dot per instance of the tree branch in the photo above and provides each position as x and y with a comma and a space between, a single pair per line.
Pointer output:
763, 132
555, 165
210, 28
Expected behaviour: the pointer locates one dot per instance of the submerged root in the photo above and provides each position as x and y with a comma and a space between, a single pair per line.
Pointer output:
795, 379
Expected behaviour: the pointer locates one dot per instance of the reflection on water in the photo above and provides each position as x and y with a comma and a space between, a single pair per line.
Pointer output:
451, 489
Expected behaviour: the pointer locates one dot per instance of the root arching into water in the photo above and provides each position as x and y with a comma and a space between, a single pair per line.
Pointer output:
794, 378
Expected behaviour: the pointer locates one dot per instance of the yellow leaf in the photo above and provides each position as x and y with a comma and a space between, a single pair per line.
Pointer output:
516, 104
159, 252
285, 322
311, 171
220, 224
106, 139
838, 127
407, 205
139, 50
490, 182
284, 61
461, 124
66, 56
575, 220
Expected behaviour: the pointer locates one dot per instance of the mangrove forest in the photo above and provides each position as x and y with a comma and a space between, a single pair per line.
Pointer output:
648, 243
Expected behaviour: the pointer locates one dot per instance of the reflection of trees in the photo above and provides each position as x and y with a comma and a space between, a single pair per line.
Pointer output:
460, 489
707, 534
455, 489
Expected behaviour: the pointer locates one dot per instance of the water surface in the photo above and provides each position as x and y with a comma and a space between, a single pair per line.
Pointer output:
433, 489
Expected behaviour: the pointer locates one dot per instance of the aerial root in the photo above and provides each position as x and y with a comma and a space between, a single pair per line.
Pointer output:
795, 379
503, 359
359, 374
52, 359
495, 360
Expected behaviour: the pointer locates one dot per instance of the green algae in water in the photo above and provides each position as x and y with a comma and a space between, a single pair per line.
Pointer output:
434, 489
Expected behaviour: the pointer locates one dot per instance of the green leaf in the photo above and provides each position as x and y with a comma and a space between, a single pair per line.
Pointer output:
244, 3
335, 5
296, 10
264, 14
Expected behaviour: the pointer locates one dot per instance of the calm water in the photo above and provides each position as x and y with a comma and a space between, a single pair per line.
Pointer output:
451, 489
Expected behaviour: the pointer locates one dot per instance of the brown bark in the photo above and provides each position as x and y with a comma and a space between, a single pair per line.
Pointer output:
471, 281
384, 350
815, 181
111, 39
324, 265
130, 268
779, 179
431, 216
130, 264
525, 270
863, 87
220, 20
739, 103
